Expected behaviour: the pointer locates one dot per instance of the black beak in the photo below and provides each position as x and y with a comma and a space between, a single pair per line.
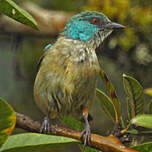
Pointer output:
112, 25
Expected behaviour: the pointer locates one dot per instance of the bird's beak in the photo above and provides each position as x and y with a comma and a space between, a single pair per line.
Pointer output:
112, 25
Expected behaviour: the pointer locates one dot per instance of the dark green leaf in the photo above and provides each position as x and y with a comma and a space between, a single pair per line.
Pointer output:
7, 120
149, 132
34, 142
138, 130
106, 104
89, 149
11, 9
112, 92
72, 123
150, 107
146, 147
144, 120
132, 131
135, 96
129, 109
123, 122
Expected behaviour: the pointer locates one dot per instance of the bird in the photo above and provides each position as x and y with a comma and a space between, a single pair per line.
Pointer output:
67, 72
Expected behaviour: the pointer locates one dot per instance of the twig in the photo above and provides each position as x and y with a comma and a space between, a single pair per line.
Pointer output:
107, 144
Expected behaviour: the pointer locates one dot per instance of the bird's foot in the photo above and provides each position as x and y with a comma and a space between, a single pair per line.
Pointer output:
87, 133
45, 127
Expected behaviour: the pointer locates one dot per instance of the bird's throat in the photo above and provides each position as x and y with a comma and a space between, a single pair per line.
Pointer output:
81, 51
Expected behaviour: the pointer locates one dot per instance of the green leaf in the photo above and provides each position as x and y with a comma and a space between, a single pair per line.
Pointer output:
144, 120
145, 132
7, 120
146, 147
150, 107
129, 109
89, 149
138, 132
111, 90
11, 9
135, 96
72, 123
132, 131
106, 104
34, 142
148, 91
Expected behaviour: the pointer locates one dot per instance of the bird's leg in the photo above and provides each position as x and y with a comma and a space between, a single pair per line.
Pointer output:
87, 130
45, 127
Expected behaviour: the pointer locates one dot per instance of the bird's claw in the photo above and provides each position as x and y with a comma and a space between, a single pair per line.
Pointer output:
87, 133
45, 127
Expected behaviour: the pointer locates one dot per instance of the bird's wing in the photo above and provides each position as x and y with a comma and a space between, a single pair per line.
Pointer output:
49, 84
39, 62
42, 57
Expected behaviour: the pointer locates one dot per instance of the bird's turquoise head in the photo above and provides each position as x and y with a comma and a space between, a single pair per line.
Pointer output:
89, 25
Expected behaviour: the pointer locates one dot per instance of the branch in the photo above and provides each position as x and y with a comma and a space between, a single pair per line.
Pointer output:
107, 144
50, 22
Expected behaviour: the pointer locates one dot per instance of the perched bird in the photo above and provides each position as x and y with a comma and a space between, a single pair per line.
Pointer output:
68, 70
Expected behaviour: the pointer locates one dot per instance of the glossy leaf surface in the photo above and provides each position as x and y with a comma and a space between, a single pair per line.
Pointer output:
144, 120
135, 98
11, 9
106, 104
34, 142
7, 120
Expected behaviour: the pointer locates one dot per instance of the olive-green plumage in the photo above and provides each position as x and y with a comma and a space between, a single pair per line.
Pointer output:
66, 80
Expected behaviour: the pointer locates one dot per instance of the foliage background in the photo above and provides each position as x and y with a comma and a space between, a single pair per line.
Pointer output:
126, 51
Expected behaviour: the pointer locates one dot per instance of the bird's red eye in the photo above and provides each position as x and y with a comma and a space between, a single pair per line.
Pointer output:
94, 20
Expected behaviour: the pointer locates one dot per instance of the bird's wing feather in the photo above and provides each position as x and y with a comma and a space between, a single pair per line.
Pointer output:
50, 78
42, 57
39, 62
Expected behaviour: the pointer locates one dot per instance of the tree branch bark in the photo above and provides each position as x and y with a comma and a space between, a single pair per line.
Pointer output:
107, 144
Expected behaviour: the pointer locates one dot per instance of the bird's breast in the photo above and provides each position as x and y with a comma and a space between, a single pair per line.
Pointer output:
66, 80
81, 76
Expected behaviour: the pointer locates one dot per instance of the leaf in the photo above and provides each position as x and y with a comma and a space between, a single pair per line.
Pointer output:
114, 98
129, 109
148, 91
7, 120
11, 9
150, 107
139, 131
72, 123
146, 147
34, 142
89, 149
135, 97
144, 120
145, 132
106, 104
132, 131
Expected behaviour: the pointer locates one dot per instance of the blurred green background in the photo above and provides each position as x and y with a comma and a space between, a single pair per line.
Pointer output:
127, 51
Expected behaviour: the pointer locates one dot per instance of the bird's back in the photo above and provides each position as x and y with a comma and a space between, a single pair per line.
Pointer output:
66, 80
